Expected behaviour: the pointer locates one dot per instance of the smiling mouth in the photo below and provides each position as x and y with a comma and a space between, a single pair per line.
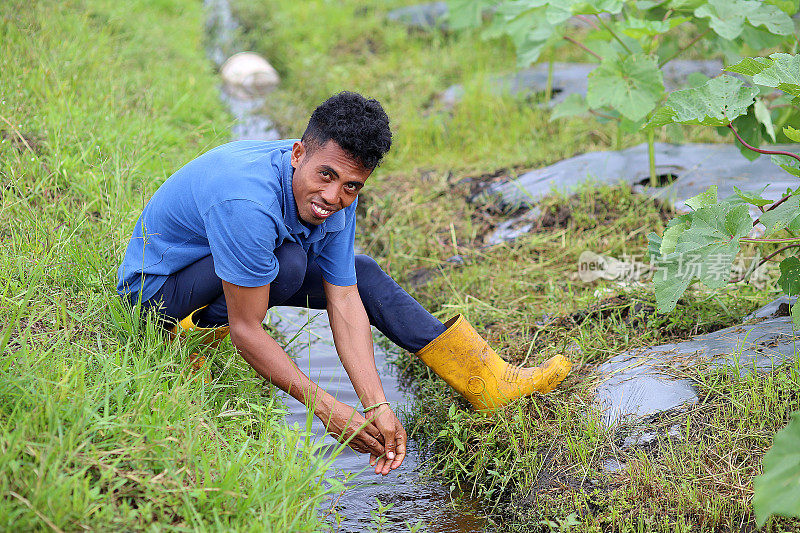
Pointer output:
320, 212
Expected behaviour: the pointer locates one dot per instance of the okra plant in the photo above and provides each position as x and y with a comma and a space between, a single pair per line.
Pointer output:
632, 41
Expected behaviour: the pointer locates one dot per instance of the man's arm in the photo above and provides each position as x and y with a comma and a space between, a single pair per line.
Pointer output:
353, 339
247, 307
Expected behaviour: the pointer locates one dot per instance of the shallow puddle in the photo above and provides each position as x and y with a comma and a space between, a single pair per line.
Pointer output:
413, 498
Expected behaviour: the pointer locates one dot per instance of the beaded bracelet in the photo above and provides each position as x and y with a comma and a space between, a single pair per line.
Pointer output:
376, 405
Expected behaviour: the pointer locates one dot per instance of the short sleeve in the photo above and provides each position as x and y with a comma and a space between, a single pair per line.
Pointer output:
337, 258
242, 235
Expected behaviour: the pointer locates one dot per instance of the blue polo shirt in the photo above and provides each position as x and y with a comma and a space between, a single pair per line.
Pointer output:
234, 202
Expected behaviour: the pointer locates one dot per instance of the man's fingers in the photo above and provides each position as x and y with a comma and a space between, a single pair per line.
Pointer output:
380, 465
374, 446
400, 449
374, 432
389, 443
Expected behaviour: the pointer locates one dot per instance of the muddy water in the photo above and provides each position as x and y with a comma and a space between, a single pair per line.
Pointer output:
412, 498
407, 499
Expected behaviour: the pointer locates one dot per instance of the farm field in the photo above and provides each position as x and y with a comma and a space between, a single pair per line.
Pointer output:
104, 426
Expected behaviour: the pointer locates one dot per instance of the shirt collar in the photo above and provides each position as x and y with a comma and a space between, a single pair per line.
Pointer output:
291, 220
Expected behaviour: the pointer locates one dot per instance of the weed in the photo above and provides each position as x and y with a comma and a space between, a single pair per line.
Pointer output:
102, 425
540, 460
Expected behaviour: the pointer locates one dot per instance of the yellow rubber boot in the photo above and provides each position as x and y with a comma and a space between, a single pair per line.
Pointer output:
211, 338
466, 362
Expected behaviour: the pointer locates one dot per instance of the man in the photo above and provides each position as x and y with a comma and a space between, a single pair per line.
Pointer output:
253, 224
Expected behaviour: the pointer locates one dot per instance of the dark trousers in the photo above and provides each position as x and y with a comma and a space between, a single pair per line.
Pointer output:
299, 284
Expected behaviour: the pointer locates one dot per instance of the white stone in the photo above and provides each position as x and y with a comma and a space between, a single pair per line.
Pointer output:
249, 73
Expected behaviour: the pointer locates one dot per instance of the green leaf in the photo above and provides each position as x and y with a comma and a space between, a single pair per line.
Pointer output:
559, 12
670, 239
462, 14
727, 17
572, 105
753, 198
663, 116
514, 19
789, 7
748, 127
704, 199
638, 28
789, 281
525, 23
630, 126
654, 242
783, 73
772, 18
789, 164
792, 133
716, 103
749, 66
777, 489
683, 5
705, 251
764, 117
631, 85
781, 216
760, 39
595, 7
644, 5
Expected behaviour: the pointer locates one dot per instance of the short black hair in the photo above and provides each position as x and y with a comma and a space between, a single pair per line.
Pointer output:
357, 124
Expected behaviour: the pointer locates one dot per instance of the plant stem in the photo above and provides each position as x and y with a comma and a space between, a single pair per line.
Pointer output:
606, 26
603, 115
681, 50
764, 260
587, 20
776, 252
760, 151
651, 156
773, 206
769, 241
580, 45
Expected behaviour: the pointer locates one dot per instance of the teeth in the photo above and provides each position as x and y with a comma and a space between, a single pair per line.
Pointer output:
321, 211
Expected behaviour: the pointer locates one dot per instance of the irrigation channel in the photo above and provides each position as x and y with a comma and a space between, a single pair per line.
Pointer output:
405, 496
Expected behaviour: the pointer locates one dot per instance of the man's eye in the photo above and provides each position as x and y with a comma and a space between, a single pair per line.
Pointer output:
350, 187
325, 174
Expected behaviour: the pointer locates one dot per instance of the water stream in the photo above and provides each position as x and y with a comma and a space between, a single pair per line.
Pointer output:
410, 498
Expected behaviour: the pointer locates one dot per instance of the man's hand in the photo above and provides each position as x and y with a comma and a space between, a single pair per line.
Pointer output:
344, 422
394, 439
353, 339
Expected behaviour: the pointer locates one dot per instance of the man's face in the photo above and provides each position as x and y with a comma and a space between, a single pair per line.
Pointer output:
325, 180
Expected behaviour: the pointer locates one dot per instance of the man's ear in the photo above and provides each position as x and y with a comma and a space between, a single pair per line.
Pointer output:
298, 151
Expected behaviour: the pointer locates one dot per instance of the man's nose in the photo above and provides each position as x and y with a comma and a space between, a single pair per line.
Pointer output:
331, 193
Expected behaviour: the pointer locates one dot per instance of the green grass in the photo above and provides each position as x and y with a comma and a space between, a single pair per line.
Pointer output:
537, 464
102, 426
